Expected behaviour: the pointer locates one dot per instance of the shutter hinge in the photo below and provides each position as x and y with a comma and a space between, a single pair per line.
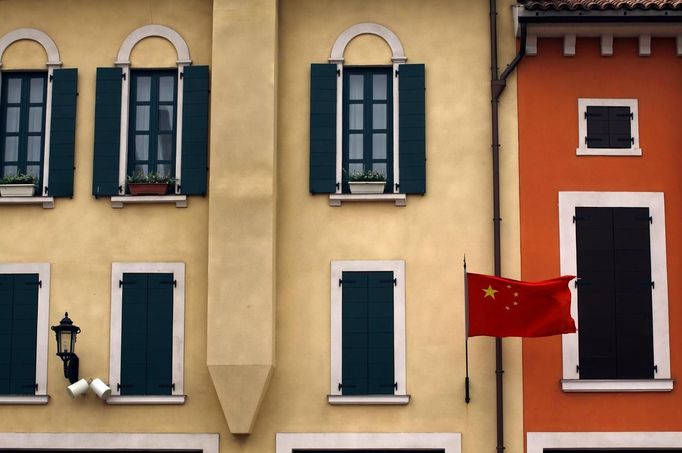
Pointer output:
340, 282
120, 189
40, 283
338, 73
651, 220
395, 385
632, 140
655, 368
632, 116
575, 283
175, 285
45, 190
51, 77
340, 386
397, 72
338, 185
164, 386
587, 141
577, 369
395, 282
35, 386
585, 114
118, 386
182, 75
653, 285
397, 186
120, 283
123, 75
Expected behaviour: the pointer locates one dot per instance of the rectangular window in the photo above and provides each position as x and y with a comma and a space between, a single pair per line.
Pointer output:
24, 308
608, 127
615, 243
368, 333
22, 123
368, 123
146, 364
152, 131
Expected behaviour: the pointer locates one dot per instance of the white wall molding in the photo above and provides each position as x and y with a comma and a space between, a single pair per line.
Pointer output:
367, 28
569, 45
160, 31
606, 45
290, 442
645, 45
584, 150
537, 442
32, 34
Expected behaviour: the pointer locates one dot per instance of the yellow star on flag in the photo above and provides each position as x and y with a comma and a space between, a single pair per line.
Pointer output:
489, 292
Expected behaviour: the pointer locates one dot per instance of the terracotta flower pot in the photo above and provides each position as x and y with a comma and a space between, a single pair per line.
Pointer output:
145, 188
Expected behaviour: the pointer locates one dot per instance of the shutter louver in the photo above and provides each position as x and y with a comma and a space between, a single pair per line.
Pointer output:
195, 116
412, 125
323, 128
619, 127
107, 132
63, 132
159, 334
6, 297
134, 335
597, 127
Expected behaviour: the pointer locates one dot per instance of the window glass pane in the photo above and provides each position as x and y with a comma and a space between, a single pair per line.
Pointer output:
163, 169
355, 168
379, 86
379, 116
36, 90
165, 147
142, 118
10, 170
356, 86
355, 146
380, 167
141, 147
141, 169
14, 91
33, 151
144, 88
35, 119
11, 149
355, 116
379, 146
12, 119
33, 170
165, 117
166, 88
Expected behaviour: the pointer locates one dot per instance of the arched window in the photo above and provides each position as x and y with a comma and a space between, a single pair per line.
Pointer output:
38, 119
367, 119
151, 121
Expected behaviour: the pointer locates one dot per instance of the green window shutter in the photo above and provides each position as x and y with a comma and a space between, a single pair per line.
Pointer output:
194, 130
63, 132
134, 335
19, 314
412, 132
367, 333
159, 334
323, 128
107, 132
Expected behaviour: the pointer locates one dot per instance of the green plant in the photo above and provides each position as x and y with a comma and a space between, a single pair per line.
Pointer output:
150, 178
367, 176
19, 178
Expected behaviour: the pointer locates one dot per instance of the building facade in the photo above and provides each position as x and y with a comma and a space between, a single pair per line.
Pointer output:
257, 305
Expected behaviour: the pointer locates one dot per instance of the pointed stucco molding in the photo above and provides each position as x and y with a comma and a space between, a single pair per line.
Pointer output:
241, 389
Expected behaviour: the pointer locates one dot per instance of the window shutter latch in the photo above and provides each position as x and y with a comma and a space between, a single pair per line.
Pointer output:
51, 77
396, 73
575, 283
123, 75
397, 186
338, 73
340, 283
120, 189
577, 369
395, 282
338, 185
395, 386
340, 386
175, 285
45, 190
182, 74
655, 368
120, 283
653, 285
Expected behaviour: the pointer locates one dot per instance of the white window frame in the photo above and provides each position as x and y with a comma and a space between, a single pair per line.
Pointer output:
123, 61
584, 150
117, 270
400, 395
42, 332
397, 58
206, 443
568, 202
53, 61
537, 442
290, 442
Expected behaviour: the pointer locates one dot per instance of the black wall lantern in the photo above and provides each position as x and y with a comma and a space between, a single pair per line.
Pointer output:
66, 334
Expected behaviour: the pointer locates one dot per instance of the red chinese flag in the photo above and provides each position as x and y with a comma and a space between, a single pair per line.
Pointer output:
500, 307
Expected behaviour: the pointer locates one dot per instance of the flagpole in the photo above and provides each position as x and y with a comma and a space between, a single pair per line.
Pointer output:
467, 397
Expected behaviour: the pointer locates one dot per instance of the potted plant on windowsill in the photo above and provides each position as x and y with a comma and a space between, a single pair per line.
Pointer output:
18, 185
367, 182
148, 184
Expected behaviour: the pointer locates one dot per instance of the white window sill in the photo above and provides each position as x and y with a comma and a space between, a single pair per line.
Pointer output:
400, 199
617, 385
161, 399
47, 202
608, 151
24, 399
368, 399
120, 202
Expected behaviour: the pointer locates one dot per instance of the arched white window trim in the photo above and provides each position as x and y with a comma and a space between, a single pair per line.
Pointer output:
397, 57
53, 61
123, 61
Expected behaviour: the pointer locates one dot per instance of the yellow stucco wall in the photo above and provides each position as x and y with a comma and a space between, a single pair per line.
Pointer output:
256, 255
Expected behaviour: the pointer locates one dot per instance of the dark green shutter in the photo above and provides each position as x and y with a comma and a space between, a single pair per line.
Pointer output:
323, 128
147, 334
597, 127
194, 130
412, 132
107, 132
367, 333
159, 334
19, 315
63, 132
134, 335
614, 293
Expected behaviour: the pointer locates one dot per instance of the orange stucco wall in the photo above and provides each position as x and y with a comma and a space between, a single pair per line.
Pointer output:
549, 86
